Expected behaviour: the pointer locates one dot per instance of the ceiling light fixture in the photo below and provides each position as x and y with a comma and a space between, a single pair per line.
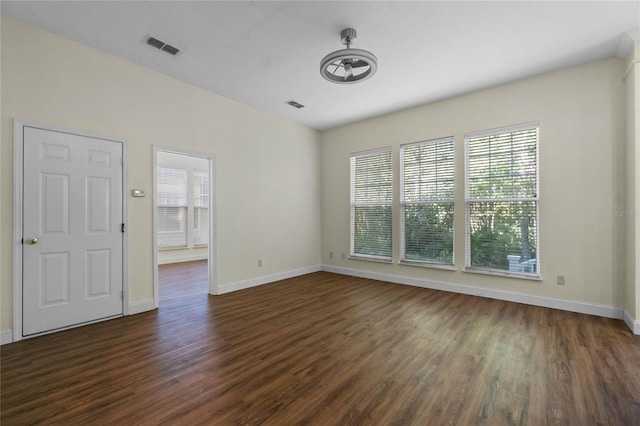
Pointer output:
348, 65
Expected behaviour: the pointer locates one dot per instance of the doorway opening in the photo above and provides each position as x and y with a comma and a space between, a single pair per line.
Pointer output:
184, 226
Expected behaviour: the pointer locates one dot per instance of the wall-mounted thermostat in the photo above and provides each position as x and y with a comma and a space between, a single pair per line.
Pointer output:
137, 193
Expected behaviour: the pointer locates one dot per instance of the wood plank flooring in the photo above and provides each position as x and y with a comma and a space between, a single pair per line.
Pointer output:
326, 349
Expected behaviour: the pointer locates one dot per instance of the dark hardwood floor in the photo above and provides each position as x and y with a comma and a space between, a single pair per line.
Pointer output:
183, 284
326, 349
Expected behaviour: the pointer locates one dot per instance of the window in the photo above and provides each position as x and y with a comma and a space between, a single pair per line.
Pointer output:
501, 191
426, 201
176, 204
172, 207
200, 207
371, 198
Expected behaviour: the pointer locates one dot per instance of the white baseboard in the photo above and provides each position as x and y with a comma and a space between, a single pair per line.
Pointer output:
266, 279
547, 302
634, 325
141, 306
180, 259
6, 336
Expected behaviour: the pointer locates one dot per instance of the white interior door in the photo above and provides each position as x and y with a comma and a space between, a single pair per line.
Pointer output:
72, 230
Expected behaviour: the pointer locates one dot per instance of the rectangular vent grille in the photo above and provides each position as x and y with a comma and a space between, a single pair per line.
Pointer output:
294, 104
170, 49
158, 44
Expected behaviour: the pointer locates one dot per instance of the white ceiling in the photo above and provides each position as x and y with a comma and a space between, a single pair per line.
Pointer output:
263, 53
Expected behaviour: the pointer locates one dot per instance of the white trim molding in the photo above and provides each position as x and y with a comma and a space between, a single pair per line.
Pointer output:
634, 325
140, 306
180, 259
266, 279
510, 296
6, 336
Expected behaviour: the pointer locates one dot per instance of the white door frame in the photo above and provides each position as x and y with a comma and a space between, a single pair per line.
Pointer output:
18, 161
212, 265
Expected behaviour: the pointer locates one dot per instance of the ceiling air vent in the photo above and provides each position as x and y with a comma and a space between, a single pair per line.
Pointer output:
158, 44
170, 49
294, 104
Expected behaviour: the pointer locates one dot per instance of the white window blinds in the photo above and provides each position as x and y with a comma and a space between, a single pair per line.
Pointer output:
427, 201
172, 207
371, 199
200, 207
501, 194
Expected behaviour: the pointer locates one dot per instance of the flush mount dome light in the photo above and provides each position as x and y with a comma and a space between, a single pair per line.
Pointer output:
348, 65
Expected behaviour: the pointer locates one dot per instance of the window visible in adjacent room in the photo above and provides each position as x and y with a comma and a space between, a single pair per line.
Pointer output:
426, 202
371, 199
200, 207
172, 207
501, 191
177, 204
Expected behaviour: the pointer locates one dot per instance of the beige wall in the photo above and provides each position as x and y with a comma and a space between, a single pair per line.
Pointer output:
268, 177
581, 117
279, 184
632, 208
5, 298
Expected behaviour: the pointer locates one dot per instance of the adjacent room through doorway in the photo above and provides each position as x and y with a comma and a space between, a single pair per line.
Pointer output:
182, 226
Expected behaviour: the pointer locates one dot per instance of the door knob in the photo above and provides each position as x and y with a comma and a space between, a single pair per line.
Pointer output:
32, 240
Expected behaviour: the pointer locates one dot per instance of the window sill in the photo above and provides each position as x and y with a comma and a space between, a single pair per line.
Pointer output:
370, 259
505, 274
430, 265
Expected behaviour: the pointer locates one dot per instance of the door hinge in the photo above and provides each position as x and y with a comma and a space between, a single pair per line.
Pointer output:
122, 295
122, 227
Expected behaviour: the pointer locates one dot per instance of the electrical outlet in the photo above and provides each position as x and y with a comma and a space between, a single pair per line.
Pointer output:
560, 279
259, 262
330, 255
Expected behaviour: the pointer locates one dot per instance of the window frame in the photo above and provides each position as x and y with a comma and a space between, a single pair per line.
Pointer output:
202, 176
403, 203
188, 210
354, 204
183, 208
470, 200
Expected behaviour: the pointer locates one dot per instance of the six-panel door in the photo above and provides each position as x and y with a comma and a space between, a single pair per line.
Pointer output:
72, 217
